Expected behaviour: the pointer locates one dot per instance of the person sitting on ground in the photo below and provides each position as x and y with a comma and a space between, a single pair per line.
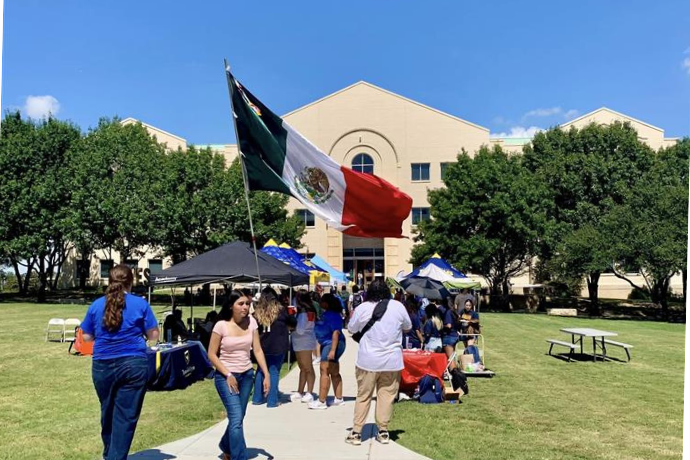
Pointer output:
433, 329
207, 328
330, 336
304, 345
274, 325
379, 360
413, 338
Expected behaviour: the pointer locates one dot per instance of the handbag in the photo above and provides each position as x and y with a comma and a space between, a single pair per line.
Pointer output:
377, 314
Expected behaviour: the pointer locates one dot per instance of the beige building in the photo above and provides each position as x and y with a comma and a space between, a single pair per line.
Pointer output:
405, 142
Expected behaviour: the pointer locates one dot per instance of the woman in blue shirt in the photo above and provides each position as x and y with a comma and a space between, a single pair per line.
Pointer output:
329, 335
413, 338
118, 323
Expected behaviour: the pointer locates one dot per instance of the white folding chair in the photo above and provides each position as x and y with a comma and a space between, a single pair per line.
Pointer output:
56, 326
71, 325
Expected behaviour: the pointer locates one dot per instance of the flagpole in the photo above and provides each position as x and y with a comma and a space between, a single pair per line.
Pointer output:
244, 171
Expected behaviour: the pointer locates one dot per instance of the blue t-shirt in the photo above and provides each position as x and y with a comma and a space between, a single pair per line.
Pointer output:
430, 330
137, 318
329, 322
449, 318
416, 326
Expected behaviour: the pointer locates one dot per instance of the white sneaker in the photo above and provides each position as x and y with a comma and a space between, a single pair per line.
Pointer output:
316, 361
338, 402
307, 398
295, 396
318, 405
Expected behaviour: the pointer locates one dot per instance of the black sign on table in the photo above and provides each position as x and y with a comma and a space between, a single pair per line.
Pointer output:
179, 367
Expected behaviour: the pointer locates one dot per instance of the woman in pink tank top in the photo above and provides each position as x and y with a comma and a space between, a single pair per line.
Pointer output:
233, 337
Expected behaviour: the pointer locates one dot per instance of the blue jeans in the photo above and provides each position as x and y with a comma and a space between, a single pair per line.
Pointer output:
232, 442
120, 385
273, 362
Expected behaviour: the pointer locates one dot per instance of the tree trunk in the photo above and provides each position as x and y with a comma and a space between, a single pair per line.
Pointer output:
17, 274
659, 293
685, 285
593, 290
500, 293
42, 278
83, 270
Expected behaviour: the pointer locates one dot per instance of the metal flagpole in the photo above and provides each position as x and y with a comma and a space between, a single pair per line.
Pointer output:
244, 171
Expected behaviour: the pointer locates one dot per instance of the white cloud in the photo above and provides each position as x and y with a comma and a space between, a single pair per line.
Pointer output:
518, 131
570, 114
544, 112
41, 106
686, 64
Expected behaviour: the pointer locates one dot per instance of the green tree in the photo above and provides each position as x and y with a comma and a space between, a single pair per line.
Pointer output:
588, 172
35, 196
649, 230
118, 181
487, 219
205, 206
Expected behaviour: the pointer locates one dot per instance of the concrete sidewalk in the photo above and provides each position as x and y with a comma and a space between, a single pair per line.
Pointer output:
292, 431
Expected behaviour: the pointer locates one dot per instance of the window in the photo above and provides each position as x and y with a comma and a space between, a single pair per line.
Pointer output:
133, 264
307, 217
106, 265
419, 214
155, 265
420, 172
444, 168
363, 163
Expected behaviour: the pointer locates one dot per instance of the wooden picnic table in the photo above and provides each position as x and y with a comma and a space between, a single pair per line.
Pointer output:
583, 332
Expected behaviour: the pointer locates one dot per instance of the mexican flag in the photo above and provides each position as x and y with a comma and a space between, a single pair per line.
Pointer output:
277, 158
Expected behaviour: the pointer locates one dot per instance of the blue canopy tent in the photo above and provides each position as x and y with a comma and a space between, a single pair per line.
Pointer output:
441, 263
293, 259
336, 275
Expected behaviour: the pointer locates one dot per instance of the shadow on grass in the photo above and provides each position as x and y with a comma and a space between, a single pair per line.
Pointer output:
584, 357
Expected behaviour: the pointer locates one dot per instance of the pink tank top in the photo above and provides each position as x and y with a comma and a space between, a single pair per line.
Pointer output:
234, 350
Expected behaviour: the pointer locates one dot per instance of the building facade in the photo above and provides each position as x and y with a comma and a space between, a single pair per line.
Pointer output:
408, 144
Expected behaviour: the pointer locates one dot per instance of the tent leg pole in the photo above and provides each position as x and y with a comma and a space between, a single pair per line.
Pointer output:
149, 299
191, 309
214, 299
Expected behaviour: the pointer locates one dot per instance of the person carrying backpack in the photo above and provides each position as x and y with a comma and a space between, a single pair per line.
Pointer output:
379, 324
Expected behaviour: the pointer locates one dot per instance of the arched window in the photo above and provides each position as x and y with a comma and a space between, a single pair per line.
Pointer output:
363, 163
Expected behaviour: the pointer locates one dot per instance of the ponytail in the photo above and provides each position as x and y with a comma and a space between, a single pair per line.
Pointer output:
120, 279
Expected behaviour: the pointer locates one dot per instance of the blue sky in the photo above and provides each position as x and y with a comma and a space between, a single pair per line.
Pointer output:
507, 65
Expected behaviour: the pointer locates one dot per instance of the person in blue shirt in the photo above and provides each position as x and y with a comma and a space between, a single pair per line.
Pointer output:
450, 334
329, 335
119, 323
433, 329
413, 338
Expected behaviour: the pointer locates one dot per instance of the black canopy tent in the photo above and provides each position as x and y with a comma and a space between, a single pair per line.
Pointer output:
233, 262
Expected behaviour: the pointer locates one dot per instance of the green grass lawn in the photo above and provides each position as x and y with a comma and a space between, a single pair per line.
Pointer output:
537, 407
48, 407
540, 407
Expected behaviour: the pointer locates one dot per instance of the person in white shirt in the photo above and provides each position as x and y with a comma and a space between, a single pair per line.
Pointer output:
379, 359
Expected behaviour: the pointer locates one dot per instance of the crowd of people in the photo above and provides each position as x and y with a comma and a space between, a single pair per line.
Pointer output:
262, 329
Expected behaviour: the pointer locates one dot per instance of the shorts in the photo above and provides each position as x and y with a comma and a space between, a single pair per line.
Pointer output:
307, 343
450, 340
326, 348
433, 344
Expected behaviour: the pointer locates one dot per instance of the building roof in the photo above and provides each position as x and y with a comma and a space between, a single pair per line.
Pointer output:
129, 120
390, 93
606, 109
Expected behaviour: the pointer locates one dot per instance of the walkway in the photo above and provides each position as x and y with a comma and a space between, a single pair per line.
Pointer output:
292, 431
